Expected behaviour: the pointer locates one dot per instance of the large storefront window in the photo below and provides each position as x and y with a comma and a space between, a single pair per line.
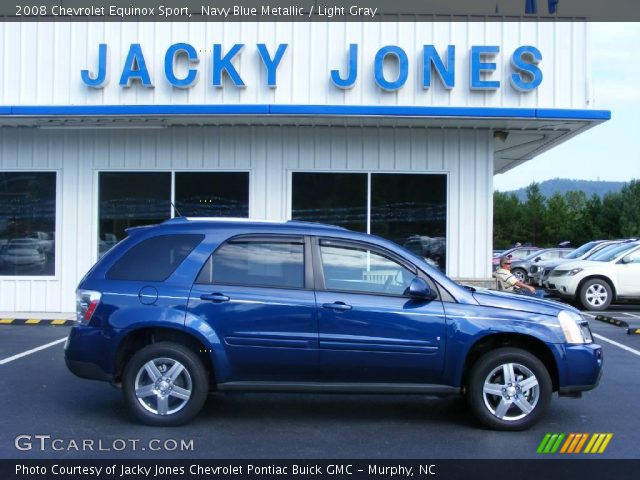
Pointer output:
409, 209
27, 223
212, 194
333, 198
130, 199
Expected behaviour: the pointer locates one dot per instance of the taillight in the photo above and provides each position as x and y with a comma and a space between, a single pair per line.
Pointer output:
86, 303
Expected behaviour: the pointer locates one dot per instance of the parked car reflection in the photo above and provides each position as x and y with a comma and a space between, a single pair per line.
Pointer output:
433, 249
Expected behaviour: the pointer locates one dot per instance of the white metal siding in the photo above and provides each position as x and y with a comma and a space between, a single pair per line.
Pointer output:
41, 62
270, 154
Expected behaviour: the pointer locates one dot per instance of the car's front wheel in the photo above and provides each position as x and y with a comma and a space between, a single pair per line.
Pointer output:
509, 389
596, 294
165, 384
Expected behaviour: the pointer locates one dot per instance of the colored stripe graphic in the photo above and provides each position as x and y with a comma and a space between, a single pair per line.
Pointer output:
573, 443
38, 321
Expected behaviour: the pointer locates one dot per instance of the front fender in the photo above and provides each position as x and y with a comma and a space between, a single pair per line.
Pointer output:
469, 324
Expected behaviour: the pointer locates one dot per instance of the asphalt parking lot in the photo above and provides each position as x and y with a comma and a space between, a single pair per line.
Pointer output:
40, 397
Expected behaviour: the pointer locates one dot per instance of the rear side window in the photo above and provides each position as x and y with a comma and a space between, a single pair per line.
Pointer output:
269, 263
154, 259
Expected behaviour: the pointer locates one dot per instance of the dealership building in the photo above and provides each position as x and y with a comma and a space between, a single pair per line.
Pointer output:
396, 129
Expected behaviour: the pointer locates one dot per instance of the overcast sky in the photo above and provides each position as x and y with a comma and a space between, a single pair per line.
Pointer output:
609, 151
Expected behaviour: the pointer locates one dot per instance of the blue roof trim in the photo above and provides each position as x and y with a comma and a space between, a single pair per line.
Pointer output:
306, 110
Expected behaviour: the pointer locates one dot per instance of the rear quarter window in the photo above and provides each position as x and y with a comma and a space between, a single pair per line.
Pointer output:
154, 259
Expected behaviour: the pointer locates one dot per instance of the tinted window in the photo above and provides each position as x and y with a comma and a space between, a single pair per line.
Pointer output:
154, 259
361, 270
27, 223
257, 263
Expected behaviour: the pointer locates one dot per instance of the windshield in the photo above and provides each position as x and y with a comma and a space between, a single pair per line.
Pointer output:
612, 252
578, 252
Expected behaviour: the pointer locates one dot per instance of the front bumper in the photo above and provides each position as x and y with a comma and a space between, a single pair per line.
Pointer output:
564, 285
584, 369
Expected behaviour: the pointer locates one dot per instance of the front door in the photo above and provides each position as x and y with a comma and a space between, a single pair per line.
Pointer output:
369, 330
254, 294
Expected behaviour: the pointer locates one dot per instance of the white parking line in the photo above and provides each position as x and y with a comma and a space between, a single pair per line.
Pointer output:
624, 347
29, 352
633, 315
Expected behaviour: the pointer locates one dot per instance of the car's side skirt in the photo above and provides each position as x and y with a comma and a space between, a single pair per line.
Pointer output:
339, 387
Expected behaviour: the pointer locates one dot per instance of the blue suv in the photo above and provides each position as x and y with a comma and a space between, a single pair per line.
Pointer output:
178, 310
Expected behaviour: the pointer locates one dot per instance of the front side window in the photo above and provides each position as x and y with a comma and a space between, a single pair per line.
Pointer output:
358, 269
262, 263
154, 259
27, 223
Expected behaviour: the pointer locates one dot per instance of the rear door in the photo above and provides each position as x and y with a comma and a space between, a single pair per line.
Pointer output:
369, 330
256, 293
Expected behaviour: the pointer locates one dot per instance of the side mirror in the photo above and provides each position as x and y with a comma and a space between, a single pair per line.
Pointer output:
420, 289
626, 259
537, 259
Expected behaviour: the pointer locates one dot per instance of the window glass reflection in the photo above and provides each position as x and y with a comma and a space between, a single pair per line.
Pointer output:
411, 210
131, 199
27, 223
212, 194
333, 198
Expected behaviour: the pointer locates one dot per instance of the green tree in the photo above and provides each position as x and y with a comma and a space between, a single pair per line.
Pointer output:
592, 225
557, 224
630, 214
576, 201
534, 214
507, 220
608, 218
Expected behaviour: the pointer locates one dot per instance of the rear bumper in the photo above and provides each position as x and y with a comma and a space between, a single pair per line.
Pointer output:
86, 353
87, 370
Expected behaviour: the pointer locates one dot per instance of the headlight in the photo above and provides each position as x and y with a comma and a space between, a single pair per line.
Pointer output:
574, 327
573, 272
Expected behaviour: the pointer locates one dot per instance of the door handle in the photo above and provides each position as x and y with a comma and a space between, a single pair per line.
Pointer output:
214, 297
337, 306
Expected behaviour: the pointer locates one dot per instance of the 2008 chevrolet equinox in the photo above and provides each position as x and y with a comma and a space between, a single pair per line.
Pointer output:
191, 306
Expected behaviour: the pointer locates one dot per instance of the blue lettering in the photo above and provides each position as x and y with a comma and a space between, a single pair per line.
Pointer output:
223, 64
403, 67
100, 79
271, 64
352, 71
447, 74
525, 61
169, 65
135, 68
477, 67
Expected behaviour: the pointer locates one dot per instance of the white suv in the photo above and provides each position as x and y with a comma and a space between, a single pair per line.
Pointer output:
612, 274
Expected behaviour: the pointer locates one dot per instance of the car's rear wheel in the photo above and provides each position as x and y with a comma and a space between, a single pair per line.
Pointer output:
520, 274
509, 389
165, 384
596, 294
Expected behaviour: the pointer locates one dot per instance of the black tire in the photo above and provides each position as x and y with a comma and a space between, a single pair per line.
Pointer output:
596, 294
487, 408
165, 394
520, 274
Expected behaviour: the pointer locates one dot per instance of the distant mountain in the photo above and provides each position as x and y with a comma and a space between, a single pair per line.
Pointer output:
564, 185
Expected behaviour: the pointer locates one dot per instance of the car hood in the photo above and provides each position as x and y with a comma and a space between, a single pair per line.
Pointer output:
584, 264
520, 302
553, 263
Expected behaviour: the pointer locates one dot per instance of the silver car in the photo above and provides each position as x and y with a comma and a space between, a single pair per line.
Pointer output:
541, 276
521, 268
